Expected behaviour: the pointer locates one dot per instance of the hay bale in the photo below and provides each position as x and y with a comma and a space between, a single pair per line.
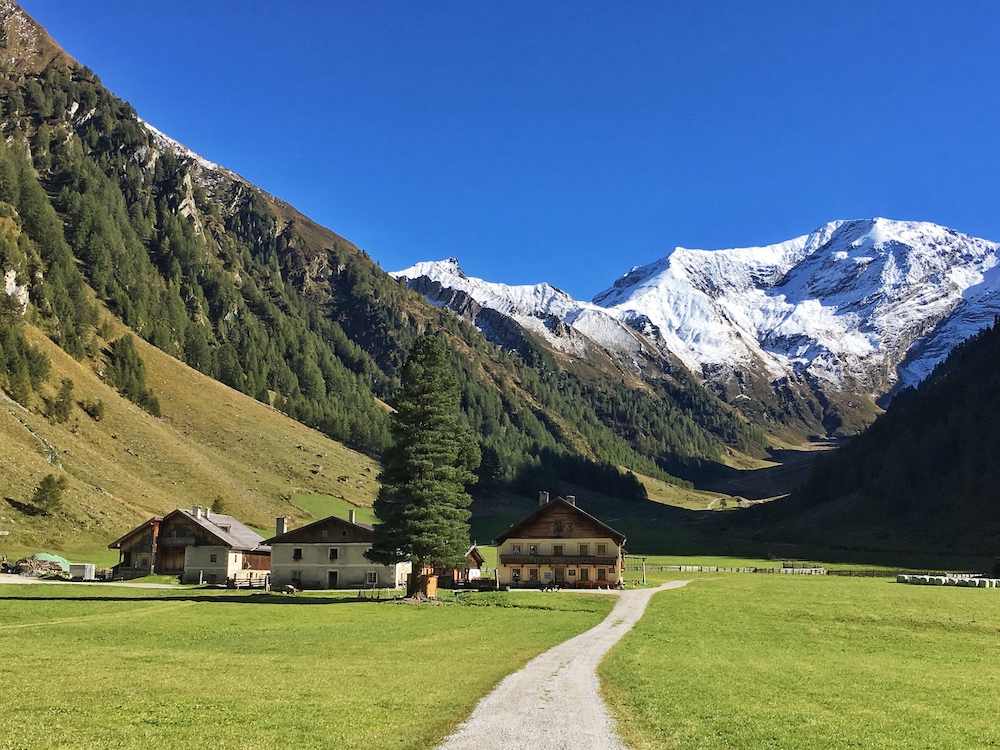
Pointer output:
901, 578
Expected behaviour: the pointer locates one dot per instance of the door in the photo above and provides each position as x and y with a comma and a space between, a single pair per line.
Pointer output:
331, 579
560, 575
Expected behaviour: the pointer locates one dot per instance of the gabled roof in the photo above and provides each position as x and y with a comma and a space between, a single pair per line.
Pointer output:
116, 544
226, 529
476, 556
290, 536
546, 509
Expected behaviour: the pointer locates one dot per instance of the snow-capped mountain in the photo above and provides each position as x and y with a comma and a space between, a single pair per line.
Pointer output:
876, 303
580, 329
862, 306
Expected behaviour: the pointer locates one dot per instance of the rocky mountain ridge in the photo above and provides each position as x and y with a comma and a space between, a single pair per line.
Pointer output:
861, 307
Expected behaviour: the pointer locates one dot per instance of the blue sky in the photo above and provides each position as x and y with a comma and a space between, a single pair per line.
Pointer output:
569, 141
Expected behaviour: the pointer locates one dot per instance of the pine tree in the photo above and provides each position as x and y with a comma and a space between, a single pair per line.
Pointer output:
422, 506
48, 494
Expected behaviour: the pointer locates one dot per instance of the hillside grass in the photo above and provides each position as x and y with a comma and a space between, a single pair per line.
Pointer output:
682, 497
93, 667
320, 506
767, 661
210, 442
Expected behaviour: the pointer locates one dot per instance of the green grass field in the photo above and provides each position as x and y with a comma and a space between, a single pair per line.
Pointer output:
321, 506
766, 661
94, 667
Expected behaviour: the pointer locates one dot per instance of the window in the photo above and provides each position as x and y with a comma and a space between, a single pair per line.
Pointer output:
334, 553
515, 549
343, 532
213, 558
572, 573
584, 574
557, 526
532, 549
324, 534
602, 550
371, 577
515, 575
532, 574
296, 553
602, 574
584, 549
557, 550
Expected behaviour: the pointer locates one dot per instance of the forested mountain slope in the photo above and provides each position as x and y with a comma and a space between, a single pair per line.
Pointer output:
100, 211
925, 476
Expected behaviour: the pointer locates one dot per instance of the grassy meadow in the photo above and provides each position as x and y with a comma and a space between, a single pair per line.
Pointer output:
98, 667
795, 662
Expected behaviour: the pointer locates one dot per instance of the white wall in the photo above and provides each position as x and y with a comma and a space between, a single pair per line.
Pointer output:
314, 566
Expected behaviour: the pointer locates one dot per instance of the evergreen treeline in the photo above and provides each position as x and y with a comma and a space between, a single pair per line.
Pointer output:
929, 462
247, 291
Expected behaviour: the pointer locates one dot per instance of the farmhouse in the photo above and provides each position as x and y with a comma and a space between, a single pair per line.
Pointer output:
196, 545
329, 554
560, 545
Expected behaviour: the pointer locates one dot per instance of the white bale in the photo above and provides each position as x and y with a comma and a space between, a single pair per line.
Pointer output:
902, 578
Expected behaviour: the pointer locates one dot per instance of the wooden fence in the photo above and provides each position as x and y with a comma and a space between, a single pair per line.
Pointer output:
802, 571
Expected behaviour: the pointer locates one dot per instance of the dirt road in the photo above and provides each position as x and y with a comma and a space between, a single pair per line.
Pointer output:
554, 701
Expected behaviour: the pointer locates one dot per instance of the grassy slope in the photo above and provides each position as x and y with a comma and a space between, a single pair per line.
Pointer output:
237, 670
211, 441
785, 662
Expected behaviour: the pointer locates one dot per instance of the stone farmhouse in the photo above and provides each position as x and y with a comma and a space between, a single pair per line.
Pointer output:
560, 545
197, 545
329, 554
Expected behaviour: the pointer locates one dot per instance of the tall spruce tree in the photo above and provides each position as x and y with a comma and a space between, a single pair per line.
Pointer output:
422, 506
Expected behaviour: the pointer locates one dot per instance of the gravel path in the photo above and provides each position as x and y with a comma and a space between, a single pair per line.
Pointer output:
554, 701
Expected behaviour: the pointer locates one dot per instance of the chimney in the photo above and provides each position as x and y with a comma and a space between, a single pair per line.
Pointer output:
280, 525
571, 499
196, 511
352, 516
543, 498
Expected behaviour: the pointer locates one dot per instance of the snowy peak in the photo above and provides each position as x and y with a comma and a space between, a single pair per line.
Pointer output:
846, 302
855, 308
581, 329
433, 269
536, 300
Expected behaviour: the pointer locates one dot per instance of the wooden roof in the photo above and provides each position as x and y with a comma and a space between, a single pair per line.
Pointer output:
116, 544
335, 527
230, 532
531, 527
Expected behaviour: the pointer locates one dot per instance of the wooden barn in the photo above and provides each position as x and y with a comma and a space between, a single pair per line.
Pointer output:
196, 545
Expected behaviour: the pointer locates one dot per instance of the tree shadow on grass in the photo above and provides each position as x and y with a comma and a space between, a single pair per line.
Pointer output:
26, 508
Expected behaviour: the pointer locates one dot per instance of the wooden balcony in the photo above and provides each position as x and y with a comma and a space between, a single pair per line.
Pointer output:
177, 541
560, 560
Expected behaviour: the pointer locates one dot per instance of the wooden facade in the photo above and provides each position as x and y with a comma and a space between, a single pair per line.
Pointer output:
196, 545
560, 545
137, 550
